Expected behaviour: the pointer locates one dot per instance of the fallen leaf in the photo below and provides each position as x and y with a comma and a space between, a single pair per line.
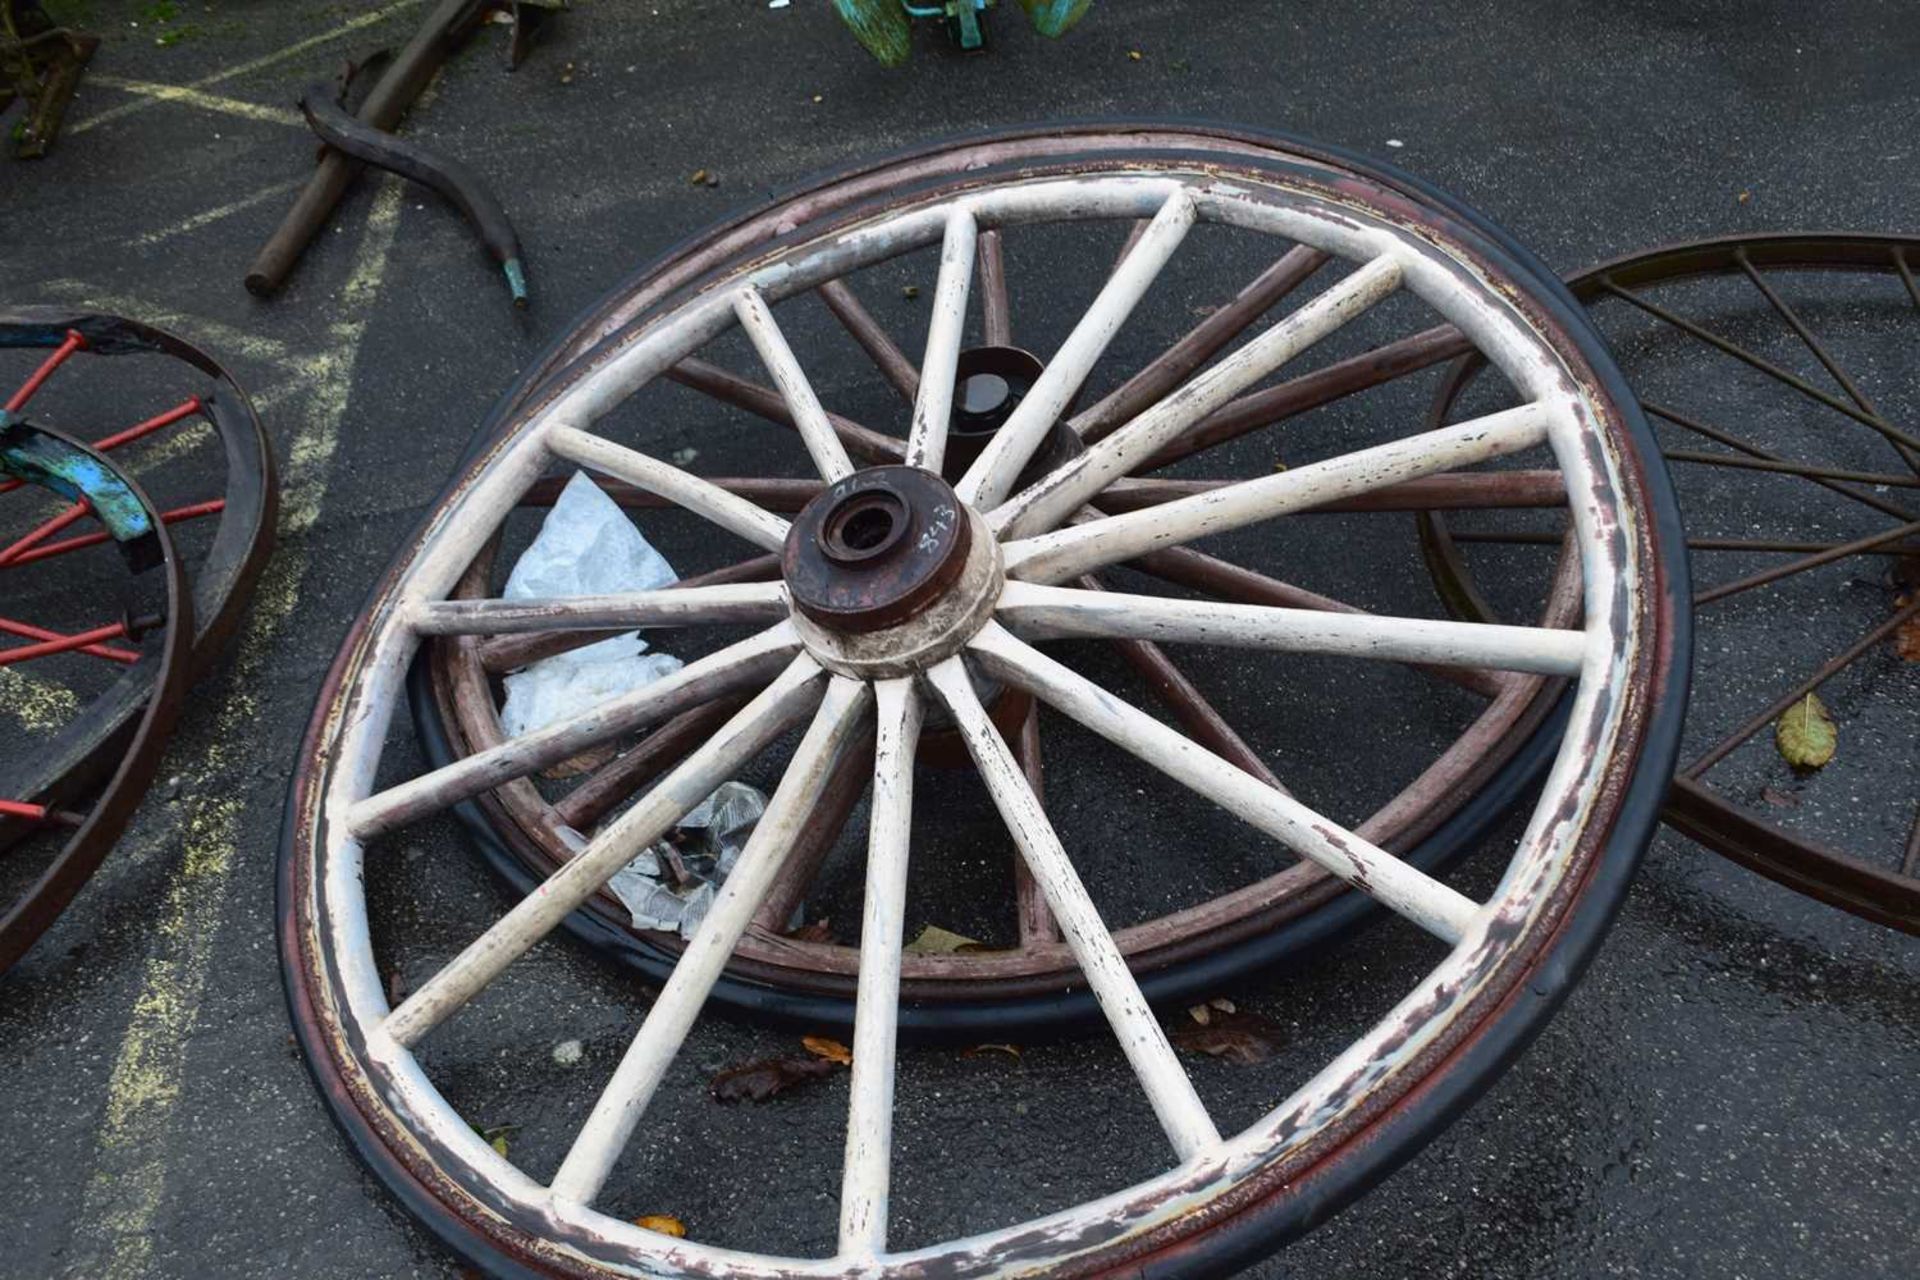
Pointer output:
1223, 1004
758, 1081
818, 931
935, 941
498, 1136
704, 178
910, 291
831, 1050
665, 1225
1906, 639
982, 1050
1779, 799
1805, 735
1244, 1038
1200, 1014
1744, 196
1134, 55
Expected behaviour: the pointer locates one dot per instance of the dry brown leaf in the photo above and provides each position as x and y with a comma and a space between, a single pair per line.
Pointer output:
665, 1224
1906, 639
1779, 799
831, 1050
1200, 1014
1244, 1038
935, 941
758, 1081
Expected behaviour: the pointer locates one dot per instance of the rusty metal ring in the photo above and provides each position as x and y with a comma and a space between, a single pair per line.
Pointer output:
162, 679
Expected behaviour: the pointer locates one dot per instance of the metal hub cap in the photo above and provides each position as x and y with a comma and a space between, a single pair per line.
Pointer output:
876, 549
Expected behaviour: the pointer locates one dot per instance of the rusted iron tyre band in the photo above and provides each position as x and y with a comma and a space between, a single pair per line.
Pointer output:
162, 677
515, 832
1514, 959
222, 578
1883, 890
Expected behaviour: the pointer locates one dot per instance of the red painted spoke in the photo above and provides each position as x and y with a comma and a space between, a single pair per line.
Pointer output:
186, 409
37, 379
52, 642
38, 813
22, 545
68, 545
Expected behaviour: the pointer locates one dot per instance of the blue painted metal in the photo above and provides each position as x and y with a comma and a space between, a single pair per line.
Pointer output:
73, 471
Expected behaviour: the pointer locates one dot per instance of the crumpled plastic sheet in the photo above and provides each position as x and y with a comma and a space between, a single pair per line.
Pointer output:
586, 546
708, 841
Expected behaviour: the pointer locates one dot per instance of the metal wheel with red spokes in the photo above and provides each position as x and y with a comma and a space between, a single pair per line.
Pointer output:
1027, 982
909, 605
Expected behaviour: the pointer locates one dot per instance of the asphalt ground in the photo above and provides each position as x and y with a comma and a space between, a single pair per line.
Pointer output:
1728, 1094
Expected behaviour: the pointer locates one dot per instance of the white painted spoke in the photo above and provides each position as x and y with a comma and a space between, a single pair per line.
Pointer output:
1407, 890
867, 1172
927, 439
1181, 1113
733, 668
654, 1046
722, 604
1039, 612
992, 474
1072, 551
731, 512
693, 780
1049, 501
809, 416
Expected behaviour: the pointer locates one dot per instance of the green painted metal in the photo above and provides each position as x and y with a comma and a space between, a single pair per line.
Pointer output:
1055, 17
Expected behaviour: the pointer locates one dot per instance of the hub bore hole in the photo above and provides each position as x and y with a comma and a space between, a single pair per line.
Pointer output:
867, 529
866, 525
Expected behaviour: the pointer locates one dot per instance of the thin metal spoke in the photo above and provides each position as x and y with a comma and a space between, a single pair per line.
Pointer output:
731, 604
1069, 552
604, 1135
1051, 613
874, 340
713, 676
992, 474
809, 415
1295, 396
1906, 276
1833, 666
765, 402
1754, 451
1069, 486
782, 703
1910, 863
996, 311
1181, 1113
1543, 538
1787, 570
1767, 367
927, 437
1200, 343
867, 1173
1813, 344
1806, 469
38, 378
1412, 893
736, 515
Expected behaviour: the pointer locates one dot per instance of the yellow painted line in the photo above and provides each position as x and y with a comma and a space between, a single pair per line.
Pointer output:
113, 1234
278, 56
203, 100
209, 216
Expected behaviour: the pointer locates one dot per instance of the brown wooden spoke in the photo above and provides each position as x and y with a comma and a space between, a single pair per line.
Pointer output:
1699, 428
500, 654
1201, 343
1033, 917
1312, 390
1833, 666
619, 780
763, 401
1819, 350
892, 362
996, 311
845, 786
1774, 371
